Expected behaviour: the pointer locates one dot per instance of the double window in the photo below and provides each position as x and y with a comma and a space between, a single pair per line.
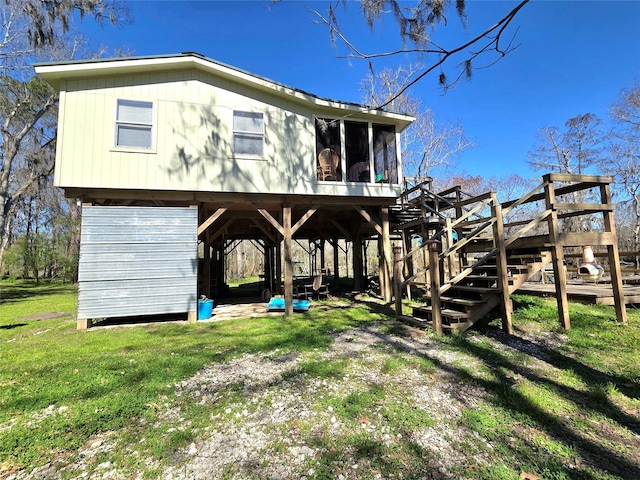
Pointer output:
134, 124
248, 133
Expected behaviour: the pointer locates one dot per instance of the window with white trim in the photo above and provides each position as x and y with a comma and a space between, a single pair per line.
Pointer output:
248, 133
134, 124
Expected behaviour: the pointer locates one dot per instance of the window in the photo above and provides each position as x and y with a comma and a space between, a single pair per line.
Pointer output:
328, 148
356, 139
384, 154
134, 124
248, 133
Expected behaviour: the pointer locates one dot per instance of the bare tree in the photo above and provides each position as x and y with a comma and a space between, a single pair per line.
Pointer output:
575, 150
32, 30
623, 161
578, 150
426, 145
416, 23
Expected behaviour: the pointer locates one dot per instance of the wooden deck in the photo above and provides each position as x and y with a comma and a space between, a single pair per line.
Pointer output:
583, 292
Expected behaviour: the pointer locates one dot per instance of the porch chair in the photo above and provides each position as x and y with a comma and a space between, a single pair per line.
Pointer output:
328, 161
318, 289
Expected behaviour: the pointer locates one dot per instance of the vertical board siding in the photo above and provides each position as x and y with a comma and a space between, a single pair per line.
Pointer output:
137, 261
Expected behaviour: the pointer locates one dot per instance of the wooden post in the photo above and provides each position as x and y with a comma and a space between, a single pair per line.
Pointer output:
397, 269
557, 255
382, 278
357, 260
614, 257
433, 247
279, 268
336, 259
386, 254
501, 265
192, 315
288, 261
408, 264
206, 266
84, 323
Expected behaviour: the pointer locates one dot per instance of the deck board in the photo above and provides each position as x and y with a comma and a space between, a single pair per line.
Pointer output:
583, 292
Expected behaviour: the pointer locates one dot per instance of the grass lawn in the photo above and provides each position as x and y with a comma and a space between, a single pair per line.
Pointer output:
60, 389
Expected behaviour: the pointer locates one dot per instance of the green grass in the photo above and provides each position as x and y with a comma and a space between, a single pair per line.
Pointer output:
110, 379
563, 409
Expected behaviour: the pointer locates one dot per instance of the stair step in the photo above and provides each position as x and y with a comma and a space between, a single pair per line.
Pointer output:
455, 315
492, 267
424, 323
481, 277
463, 302
468, 288
525, 256
467, 302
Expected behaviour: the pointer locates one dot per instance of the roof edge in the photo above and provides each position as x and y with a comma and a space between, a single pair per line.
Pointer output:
55, 72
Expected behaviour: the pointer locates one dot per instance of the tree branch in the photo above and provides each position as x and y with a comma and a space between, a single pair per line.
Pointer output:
493, 35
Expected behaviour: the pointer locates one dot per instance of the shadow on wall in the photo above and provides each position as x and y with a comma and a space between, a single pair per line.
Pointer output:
203, 153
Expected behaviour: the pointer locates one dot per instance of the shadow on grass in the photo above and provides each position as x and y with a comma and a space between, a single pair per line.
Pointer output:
13, 292
12, 326
503, 395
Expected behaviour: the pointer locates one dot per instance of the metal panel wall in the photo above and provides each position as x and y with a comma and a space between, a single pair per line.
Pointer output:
137, 261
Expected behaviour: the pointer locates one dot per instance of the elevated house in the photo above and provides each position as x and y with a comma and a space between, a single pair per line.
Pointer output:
169, 151
176, 155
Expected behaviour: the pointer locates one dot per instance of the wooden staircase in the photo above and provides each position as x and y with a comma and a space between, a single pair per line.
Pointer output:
474, 296
482, 251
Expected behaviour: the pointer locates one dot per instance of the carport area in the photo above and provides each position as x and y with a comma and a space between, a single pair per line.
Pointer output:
274, 223
156, 253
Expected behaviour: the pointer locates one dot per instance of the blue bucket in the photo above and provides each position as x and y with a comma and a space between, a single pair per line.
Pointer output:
205, 307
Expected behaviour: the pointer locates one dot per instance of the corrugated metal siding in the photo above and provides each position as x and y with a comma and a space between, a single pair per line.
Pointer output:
137, 261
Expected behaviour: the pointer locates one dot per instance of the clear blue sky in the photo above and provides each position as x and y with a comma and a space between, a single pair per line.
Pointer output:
573, 57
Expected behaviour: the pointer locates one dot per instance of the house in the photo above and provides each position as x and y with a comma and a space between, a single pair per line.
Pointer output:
167, 152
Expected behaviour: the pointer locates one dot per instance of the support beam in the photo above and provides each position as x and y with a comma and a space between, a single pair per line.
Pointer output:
397, 290
206, 266
216, 215
357, 259
613, 256
557, 255
269, 218
374, 222
288, 260
303, 219
84, 323
264, 229
434, 247
408, 264
336, 259
278, 268
221, 230
386, 254
501, 266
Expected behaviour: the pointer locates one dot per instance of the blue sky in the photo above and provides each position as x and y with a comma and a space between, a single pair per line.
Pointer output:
573, 57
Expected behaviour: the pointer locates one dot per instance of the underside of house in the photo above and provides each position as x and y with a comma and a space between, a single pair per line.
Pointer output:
456, 257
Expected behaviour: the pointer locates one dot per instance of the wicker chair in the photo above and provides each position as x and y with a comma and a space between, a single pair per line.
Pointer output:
328, 161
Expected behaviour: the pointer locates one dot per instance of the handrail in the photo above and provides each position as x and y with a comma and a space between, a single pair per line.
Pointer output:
510, 205
461, 243
470, 212
527, 227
